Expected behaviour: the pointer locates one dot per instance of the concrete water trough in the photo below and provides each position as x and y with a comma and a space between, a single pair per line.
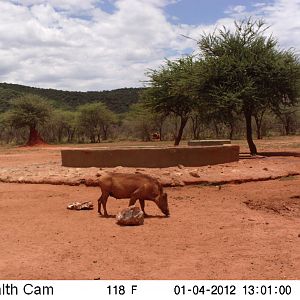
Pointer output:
149, 157
208, 142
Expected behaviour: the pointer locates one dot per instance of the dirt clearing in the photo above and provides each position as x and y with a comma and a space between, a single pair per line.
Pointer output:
211, 234
231, 231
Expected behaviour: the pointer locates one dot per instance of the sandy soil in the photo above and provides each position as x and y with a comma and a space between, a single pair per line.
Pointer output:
233, 231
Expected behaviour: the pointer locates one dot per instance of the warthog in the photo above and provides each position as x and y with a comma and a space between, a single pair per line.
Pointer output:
134, 186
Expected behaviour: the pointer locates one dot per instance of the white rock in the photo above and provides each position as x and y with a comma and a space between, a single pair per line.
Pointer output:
131, 215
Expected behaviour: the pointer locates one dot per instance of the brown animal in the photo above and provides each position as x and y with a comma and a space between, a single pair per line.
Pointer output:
155, 136
134, 186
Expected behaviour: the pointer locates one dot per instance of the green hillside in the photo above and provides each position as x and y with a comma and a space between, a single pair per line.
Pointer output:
117, 100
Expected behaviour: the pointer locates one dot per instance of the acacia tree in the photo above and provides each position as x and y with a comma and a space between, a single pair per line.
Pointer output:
172, 91
61, 126
142, 122
108, 119
30, 111
95, 119
247, 73
288, 118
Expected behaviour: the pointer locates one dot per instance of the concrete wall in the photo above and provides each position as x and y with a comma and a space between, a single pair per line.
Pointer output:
152, 157
208, 142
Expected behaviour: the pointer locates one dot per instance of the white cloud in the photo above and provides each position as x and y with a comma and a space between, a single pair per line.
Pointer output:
238, 9
283, 18
45, 43
74, 45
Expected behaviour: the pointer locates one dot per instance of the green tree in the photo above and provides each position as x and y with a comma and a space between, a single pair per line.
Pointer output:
288, 118
30, 111
142, 122
95, 120
246, 73
6, 95
108, 119
61, 126
172, 91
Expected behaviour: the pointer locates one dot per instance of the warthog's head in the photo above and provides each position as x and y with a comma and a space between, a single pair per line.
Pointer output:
162, 203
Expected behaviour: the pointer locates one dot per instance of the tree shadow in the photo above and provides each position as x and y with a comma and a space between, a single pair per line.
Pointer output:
280, 153
246, 155
155, 217
107, 217
146, 217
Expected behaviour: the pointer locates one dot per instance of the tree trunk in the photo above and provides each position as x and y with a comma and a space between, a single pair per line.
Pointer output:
183, 121
160, 133
60, 134
105, 132
217, 131
98, 138
34, 138
196, 128
71, 133
231, 131
252, 147
258, 127
93, 139
287, 125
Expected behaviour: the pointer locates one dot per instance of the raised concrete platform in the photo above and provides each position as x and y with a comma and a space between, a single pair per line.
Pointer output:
150, 157
208, 142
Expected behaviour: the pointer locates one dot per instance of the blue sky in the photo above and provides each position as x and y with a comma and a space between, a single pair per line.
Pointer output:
107, 44
195, 12
200, 11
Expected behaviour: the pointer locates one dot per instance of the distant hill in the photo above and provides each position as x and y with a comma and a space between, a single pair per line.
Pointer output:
117, 100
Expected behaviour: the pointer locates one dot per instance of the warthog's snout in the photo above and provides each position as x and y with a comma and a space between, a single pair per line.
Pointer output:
163, 204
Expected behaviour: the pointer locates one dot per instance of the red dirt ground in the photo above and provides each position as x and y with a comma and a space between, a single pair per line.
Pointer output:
243, 231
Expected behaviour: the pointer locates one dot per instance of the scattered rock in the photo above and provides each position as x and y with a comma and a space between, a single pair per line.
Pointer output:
81, 206
131, 215
177, 182
265, 169
194, 173
180, 166
177, 174
118, 168
21, 179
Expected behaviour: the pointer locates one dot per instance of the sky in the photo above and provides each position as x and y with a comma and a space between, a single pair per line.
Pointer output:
94, 45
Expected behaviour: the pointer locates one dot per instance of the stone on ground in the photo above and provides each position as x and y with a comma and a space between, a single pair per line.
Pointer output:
131, 215
81, 206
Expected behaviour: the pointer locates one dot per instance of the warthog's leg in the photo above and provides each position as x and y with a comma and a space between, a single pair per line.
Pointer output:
102, 200
142, 203
99, 205
135, 196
